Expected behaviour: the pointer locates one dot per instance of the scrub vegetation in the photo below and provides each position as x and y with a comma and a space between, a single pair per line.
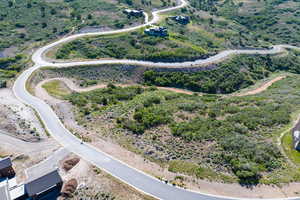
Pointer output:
214, 26
215, 137
134, 45
275, 21
227, 138
9, 67
230, 76
226, 77
56, 88
26, 21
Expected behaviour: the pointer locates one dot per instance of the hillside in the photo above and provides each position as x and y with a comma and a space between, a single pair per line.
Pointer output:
214, 26
27, 24
24, 22
202, 133
221, 138
216, 137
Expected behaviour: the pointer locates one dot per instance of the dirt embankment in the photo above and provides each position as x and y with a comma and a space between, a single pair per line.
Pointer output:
91, 183
75, 88
71, 84
261, 88
21, 135
19, 120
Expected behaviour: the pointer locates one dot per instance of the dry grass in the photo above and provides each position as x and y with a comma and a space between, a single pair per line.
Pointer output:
70, 163
69, 188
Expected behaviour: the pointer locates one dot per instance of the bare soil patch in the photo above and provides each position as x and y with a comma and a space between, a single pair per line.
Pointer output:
72, 85
93, 183
19, 120
70, 163
262, 87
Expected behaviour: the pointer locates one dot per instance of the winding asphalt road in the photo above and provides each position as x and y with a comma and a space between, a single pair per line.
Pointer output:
116, 168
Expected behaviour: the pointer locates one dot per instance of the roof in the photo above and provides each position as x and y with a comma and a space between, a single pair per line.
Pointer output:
4, 194
12, 183
43, 183
5, 163
17, 192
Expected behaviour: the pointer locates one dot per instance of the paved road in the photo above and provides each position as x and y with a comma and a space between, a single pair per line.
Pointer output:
122, 171
47, 165
29, 148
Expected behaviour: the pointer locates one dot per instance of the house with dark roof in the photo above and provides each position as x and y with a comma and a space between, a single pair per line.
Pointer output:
134, 13
41, 186
296, 136
6, 169
181, 19
296, 140
159, 31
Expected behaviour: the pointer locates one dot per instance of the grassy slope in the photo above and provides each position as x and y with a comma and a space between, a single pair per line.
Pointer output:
56, 88
232, 75
226, 24
229, 76
24, 21
27, 23
9, 68
134, 45
275, 21
125, 73
204, 145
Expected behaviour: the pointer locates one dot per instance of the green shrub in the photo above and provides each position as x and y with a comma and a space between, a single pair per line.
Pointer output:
238, 73
151, 100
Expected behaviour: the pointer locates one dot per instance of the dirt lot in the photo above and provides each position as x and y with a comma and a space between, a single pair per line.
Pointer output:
95, 184
19, 120
25, 154
21, 135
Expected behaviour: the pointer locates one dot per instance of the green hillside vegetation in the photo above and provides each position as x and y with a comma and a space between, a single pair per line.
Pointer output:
230, 76
227, 77
231, 135
214, 26
89, 75
185, 42
9, 67
56, 88
275, 21
133, 45
25, 21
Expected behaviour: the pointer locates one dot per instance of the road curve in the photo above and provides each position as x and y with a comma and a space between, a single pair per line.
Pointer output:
137, 179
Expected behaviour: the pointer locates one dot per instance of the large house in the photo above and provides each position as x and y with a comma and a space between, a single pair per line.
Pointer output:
10, 190
157, 31
134, 13
6, 169
296, 139
296, 136
4, 192
181, 19
39, 187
